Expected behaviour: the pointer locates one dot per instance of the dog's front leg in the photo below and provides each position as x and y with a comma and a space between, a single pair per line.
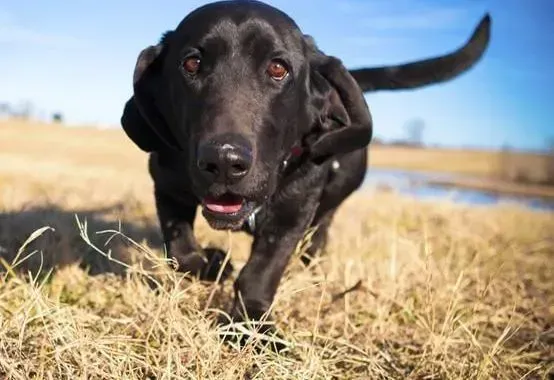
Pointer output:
176, 220
282, 225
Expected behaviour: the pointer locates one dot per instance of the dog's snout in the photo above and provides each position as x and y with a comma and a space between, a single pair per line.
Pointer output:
227, 162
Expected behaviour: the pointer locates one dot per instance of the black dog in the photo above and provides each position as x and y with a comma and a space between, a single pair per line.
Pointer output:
243, 115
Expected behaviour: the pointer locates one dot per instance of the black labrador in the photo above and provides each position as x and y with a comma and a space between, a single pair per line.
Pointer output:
243, 114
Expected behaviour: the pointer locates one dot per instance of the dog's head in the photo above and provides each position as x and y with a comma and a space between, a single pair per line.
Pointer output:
234, 90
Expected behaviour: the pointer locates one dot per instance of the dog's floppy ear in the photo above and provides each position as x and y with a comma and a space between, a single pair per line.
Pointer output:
138, 130
143, 118
344, 123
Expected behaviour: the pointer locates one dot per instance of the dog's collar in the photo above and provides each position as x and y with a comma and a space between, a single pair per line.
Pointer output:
295, 151
252, 219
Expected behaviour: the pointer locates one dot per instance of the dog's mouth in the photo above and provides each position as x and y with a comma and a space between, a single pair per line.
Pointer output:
228, 211
226, 204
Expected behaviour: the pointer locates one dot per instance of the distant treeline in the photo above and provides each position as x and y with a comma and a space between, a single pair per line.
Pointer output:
26, 110
516, 167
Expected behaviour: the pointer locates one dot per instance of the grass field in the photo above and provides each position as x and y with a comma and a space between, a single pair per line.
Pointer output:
457, 161
405, 290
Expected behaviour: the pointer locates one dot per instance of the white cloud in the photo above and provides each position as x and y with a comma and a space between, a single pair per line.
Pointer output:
418, 20
13, 32
375, 41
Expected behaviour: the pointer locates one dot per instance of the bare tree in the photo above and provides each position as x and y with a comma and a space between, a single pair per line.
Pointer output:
549, 178
57, 118
5, 109
414, 129
505, 163
24, 110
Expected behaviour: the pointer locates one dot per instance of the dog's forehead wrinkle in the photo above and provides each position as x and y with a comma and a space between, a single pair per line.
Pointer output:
261, 28
250, 36
237, 30
224, 28
241, 11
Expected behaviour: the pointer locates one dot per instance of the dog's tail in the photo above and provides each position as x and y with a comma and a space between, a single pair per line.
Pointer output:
428, 71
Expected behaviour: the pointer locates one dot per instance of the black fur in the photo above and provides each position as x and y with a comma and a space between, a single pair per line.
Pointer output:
319, 107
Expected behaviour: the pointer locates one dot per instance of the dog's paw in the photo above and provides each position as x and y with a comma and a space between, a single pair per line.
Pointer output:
205, 264
261, 335
215, 259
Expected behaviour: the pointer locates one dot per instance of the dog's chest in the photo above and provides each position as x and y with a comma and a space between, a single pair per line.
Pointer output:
251, 222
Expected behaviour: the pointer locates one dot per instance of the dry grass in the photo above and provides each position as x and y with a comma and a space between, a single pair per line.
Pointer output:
443, 291
459, 161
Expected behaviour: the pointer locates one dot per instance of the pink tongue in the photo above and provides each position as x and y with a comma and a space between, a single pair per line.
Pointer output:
224, 205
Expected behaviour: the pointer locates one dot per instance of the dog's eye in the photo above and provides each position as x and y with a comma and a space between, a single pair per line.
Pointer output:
277, 70
191, 65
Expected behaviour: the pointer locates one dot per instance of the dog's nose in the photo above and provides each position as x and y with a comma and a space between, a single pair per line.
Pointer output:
224, 162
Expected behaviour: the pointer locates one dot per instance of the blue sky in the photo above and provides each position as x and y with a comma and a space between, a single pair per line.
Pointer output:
78, 57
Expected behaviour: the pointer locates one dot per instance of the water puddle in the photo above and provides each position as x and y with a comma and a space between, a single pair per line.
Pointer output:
417, 184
